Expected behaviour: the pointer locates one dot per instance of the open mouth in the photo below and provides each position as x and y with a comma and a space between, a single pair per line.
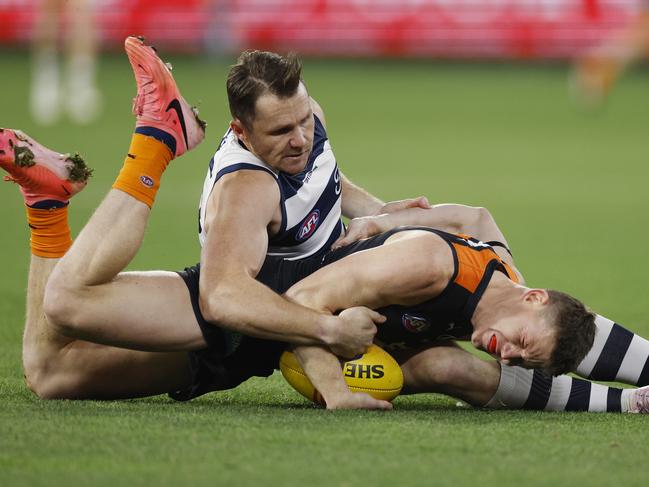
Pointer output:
493, 343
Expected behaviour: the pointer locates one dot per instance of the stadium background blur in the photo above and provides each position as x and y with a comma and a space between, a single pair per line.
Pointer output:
463, 101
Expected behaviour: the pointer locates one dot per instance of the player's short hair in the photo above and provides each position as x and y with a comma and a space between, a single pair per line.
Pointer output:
574, 332
257, 73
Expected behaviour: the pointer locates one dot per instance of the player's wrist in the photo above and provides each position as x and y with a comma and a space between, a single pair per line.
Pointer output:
328, 330
380, 223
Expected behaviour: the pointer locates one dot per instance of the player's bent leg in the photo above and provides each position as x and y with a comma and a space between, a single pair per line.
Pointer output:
150, 311
84, 289
446, 368
84, 370
57, 367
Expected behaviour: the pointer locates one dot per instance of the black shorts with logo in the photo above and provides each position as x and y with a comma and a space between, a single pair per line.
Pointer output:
232, 358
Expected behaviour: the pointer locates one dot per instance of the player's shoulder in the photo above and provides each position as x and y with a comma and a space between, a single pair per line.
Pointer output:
248, 180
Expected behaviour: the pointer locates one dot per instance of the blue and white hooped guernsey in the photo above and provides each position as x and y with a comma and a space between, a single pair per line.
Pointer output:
310, 201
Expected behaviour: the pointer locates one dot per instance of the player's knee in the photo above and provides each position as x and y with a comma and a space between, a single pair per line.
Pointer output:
444, 366
59, 308
41, 378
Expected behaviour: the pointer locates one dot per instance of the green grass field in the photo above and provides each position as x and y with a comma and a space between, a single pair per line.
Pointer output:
568, 187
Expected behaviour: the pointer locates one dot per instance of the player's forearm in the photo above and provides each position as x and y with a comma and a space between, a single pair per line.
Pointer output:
358, 202
474, 221
252, 309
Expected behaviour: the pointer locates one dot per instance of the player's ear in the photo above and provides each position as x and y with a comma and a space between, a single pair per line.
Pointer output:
537, 296
239, 129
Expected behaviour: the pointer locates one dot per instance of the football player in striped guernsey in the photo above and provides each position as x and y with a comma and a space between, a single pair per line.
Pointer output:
153, 310
285, 191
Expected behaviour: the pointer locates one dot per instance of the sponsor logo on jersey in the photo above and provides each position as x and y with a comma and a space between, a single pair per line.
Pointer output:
338, 187
309, 226
476, 244
147, 181
414, 324
307, 178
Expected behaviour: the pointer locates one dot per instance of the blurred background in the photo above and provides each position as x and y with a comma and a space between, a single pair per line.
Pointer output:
516, 105
423, 28
535, 109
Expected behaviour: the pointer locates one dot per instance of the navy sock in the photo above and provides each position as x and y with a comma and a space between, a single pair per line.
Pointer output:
160, 135
48, 204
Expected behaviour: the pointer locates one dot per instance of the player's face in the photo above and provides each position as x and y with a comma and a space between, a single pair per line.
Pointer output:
526, 340
281, 134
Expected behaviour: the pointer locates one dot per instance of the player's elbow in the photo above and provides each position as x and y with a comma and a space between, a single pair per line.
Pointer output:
216, 304
468, 219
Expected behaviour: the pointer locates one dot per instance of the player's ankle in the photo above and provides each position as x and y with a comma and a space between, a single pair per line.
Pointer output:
158, 134
50, 231
147, 159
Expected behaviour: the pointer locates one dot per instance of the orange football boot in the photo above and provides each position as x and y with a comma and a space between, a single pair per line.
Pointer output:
41, 173
158, 103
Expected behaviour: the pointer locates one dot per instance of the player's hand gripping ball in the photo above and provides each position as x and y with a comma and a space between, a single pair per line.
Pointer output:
375, 372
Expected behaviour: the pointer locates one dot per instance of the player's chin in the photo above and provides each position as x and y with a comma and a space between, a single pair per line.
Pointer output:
476, 340
294, 164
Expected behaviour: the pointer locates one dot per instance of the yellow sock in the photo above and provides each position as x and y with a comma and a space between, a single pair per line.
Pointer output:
50, 232
143, 167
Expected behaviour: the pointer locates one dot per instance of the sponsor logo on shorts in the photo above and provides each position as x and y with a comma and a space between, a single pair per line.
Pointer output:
309, 226
414, 324
147, 181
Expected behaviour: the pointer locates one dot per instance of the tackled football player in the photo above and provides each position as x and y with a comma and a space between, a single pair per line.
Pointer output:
434, 287
59, 367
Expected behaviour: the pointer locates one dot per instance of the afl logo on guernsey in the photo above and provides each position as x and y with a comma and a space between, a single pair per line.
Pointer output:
147, 181
414, 324
309, 226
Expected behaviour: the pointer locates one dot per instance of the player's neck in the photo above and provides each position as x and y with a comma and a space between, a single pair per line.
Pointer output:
501, 298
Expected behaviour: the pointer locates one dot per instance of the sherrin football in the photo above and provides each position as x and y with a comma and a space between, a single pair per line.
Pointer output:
375, 372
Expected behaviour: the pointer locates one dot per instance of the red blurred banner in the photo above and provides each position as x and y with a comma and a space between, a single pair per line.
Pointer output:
435, 28
180, 24
439, 28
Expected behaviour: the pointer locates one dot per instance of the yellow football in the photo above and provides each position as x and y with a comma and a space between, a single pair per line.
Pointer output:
375, 372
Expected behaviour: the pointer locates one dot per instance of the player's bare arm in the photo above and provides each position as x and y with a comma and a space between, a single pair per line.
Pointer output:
237, 240
452, 218
369, 279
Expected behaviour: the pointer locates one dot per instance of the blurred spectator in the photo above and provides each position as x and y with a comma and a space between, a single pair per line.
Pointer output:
76, 92
595, 73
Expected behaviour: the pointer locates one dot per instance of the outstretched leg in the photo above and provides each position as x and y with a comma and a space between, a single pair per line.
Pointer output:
448, 369
56, 366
